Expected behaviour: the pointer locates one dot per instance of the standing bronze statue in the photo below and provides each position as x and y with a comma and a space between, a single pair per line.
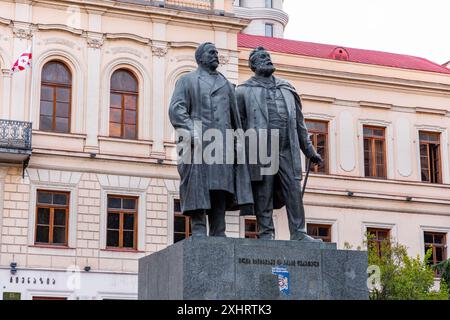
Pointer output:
203, 100
272, 104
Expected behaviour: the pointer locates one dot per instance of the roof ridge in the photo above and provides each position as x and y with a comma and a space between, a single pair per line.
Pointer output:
367, 56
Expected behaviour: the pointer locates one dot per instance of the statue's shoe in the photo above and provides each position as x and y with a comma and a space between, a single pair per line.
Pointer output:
303, 237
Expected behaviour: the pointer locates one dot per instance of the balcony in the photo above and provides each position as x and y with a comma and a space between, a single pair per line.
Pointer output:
15, 141
194, 4
202, 5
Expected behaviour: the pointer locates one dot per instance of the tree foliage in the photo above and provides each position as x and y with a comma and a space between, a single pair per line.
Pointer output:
444, 269
401, 277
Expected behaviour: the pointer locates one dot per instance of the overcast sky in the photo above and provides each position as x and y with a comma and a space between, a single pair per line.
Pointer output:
416, 27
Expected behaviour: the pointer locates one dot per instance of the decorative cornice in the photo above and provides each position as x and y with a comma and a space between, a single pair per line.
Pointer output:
59, 27
262, 14
441, 112
127, 36
308, 97
370, 104
5, 21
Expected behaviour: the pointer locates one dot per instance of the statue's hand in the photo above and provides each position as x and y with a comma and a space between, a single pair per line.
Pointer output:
316, 159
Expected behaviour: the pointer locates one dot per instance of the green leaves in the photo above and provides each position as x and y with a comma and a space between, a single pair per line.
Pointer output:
403, 277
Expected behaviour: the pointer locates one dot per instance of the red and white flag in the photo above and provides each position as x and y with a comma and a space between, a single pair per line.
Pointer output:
23, 62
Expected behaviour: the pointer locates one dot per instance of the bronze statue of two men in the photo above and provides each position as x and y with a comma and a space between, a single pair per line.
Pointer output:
263, 116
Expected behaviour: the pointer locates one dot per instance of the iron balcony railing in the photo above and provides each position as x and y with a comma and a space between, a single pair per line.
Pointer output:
207, 5
15, 134
195, 4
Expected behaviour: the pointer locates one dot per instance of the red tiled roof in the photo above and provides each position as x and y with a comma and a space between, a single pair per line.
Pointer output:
327, 51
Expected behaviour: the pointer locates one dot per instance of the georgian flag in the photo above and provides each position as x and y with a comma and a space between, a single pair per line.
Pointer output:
23, 62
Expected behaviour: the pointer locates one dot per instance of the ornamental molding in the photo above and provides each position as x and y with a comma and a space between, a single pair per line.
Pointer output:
22, 33
159, 49
94, 43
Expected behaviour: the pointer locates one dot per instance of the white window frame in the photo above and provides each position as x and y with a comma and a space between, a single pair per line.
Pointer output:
392, 227
332, 143
443, 149
141, 215
330, 222
423, 229
73, 216
389, 138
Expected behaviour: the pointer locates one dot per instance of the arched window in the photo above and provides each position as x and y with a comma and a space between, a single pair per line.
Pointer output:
56, 93
123, 105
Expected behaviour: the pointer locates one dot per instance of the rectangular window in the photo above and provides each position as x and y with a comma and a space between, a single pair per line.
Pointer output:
269, 3
122, 222
269, 30
52, 218
378, 238
374, 152
320, 231
251, 228
182, 224
319, 138
438, 243
430, 157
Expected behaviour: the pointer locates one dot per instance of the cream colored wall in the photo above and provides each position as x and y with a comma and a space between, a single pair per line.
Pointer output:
349, 95
158, 46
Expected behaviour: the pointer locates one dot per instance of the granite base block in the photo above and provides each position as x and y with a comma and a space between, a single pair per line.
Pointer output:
243, 269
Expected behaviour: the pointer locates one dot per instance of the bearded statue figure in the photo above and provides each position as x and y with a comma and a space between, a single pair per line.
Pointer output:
270, 104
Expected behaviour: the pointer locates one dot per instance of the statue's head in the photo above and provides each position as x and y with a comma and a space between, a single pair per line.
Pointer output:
207, 56
261, 63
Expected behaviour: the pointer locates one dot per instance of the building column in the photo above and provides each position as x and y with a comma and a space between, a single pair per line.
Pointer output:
3, 173
159, 50
6, 93
22, 36
94, 45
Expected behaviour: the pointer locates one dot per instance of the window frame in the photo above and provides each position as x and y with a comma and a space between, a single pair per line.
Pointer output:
313, 134
377, 240
272, 30
439, 160
187, 224
121, 212
251, 234
122, 95
373, 174
318, 225
54, 86
434, 245
51, 219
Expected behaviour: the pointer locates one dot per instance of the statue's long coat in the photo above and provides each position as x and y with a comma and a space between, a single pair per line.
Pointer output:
252, 104
195, 99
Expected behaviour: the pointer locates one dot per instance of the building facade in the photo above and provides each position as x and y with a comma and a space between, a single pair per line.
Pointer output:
267, 17
92, 186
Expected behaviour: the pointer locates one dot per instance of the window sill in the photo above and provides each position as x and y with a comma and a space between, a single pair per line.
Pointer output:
136, 141
51, 247
59, 134
121, 250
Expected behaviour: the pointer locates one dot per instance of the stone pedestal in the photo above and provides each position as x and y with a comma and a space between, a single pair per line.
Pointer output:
243, 269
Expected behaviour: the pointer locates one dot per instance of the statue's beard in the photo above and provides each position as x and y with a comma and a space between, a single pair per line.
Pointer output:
265, 70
